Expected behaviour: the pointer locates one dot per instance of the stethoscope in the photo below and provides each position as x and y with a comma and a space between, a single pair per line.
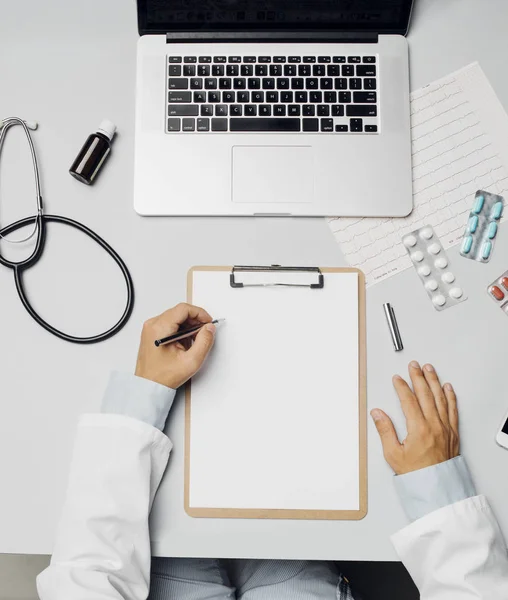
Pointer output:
40, 221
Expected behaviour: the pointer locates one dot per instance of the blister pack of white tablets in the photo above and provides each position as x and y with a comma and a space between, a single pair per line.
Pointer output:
433, 267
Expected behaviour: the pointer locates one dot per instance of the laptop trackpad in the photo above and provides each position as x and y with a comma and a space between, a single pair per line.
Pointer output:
272, 174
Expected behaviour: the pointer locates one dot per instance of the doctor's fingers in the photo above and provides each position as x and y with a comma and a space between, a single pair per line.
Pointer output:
453, 412
440, 398
410, 406
423, 392
181, 313
197, 353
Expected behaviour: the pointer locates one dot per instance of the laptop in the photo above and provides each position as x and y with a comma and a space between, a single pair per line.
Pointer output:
273, 107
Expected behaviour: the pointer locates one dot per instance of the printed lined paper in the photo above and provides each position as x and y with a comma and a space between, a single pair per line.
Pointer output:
459, 138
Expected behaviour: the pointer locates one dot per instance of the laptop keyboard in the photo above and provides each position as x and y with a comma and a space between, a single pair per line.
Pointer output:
289, 94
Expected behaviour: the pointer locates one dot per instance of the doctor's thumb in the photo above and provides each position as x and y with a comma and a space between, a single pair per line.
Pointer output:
386, 430
202, 346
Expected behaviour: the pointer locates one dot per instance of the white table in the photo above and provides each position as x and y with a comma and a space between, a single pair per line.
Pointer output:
68, 65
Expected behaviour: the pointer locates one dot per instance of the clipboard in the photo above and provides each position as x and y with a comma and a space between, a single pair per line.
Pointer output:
209, 467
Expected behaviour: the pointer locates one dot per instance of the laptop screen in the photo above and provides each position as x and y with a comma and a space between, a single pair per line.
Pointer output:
156, 16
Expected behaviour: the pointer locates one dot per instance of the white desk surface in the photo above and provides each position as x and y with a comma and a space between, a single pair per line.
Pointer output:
70, 64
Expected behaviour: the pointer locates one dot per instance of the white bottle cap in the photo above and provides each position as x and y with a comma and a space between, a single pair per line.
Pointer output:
107, 128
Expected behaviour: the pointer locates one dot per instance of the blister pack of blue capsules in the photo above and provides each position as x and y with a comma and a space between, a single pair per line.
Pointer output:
482, 227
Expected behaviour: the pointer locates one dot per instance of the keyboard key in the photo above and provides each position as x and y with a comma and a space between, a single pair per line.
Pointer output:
175, 59
213, 97
188, 124
324, 59
218, 70
189, 59
369, 59
330, 97
205, 59
261, 70
183, 110
240, 83
247, 70
235, 59
181, 97
354, 59
268, 83
228, 97
203, 70
199, 96
341, 128
279, 59
264, 59
275, 70
203, 125
279, 110
344, 97
318, 70
283, 83
265, 110
339, 59
304, 70
232, 70
371, 128
297, 83
294, 110
309, 59
210, 84
323, 110
196, 83
348, 70
355, 83
243, 96
309, 110
312, 83
366, 70
310, 124
249, 59
174, 70
258, 96
225, 83
356, 125
206, 110
369, 84
361, 110
236, 110
290, 70
219, 124
189, 70
294, 59
338, 110
316, 97
254, 83
264, 124
333, 70
326, 83
250, 110
219, 59
301, 97
341, 84
221, 110
364, 97
326, 124
272, 97
173, 124
180, 83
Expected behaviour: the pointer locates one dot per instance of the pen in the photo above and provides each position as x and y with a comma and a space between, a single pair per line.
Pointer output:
181, 335
393, 327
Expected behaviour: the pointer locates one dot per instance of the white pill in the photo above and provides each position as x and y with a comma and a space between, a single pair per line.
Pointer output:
410, 241
456, 292
505, 308
439, 300
441, 263
417, 256
426, 233
424, 270
434, 249
448, 277
431, 285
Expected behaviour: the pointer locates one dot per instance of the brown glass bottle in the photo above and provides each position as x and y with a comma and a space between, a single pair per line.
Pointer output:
93, 153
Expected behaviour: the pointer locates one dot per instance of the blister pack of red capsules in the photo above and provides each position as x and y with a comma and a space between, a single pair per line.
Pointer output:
498, 291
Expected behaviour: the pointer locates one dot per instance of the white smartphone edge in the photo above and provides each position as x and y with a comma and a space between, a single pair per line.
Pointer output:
501, 437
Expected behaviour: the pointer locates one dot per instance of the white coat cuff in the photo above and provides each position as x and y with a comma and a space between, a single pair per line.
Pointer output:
138, 398
426, 490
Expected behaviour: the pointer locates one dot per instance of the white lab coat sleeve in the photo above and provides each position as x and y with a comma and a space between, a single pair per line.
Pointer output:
456, 553
102, 549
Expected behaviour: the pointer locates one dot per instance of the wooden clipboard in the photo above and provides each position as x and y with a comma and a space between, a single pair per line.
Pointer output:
311, 514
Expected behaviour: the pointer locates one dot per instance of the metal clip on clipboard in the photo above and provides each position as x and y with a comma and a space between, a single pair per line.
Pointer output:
276, 268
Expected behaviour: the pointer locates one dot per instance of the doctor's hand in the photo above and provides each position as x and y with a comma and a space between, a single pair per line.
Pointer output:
173, 364
432, 422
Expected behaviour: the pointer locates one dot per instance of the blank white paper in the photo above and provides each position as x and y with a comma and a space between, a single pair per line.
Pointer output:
275, 410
